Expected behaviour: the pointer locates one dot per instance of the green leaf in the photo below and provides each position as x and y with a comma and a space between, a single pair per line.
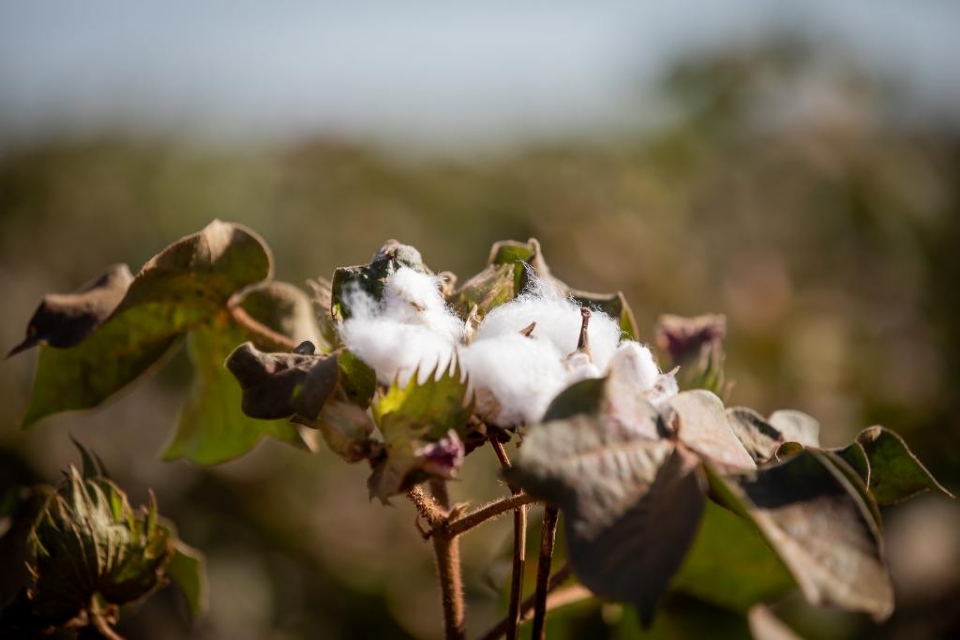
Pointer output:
86, 375
187, 283
286, 309
187, 569
486, 291
731, 565
64, 320
422, 426
701, 423
820, 527
371, 278
212, 427
895, 473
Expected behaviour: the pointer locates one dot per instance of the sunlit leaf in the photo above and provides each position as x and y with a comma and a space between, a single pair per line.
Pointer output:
212, 427
421, 424
819, 526
185, 284
701, 423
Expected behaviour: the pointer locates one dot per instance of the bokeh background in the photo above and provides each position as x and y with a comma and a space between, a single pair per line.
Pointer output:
795, 166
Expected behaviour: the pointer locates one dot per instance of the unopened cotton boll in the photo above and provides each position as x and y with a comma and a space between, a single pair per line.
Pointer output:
514, 378
557, 319
633, 363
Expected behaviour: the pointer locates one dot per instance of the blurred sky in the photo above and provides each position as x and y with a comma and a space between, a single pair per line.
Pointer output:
431, 73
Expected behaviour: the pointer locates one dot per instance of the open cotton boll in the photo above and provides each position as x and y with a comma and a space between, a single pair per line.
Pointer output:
396, 349
557, 319
414, 298
513, 377
409, 328
633, 363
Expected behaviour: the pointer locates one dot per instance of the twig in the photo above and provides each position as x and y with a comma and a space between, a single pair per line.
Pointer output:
547, 539
427, 507
519, 549
264, 335
557, 579
488, 512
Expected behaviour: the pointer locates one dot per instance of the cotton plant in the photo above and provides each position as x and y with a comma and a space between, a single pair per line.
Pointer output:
516, 360
667, 496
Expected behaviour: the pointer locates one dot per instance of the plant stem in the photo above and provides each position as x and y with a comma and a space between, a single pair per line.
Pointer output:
489, 511
555, 581
447, 550
427, 507
548, 534
519, 549
265, 337
435, 509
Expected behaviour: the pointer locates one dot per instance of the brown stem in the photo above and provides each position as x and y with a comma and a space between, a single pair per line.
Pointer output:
427, 507
557, 579
447, 550
266, 337
488, 512
519, 549
547, 539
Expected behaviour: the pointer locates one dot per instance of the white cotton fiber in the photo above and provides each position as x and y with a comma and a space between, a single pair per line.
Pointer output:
414, 298
558, 320
409, 329
633, 363
513, 377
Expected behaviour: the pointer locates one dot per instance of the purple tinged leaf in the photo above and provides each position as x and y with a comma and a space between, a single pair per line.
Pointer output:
443, 458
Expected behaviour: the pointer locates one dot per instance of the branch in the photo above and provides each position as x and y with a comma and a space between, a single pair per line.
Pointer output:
519, 549
264, 336
489, 511
427, 507
547, 539
560, 599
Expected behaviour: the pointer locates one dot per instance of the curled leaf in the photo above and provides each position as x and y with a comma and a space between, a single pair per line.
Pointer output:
64, 320
280, 385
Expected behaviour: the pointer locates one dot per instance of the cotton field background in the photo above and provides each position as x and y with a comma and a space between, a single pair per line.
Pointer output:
808, 197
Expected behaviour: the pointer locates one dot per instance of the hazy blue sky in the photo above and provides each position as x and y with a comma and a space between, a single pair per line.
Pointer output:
430, 72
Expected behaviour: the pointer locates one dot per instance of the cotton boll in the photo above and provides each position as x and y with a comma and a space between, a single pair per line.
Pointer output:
513, 377
396, 349
581, 367
414, 298
633, 364
557, 319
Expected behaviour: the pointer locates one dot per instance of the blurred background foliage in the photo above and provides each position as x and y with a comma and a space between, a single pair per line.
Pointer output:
828, 234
